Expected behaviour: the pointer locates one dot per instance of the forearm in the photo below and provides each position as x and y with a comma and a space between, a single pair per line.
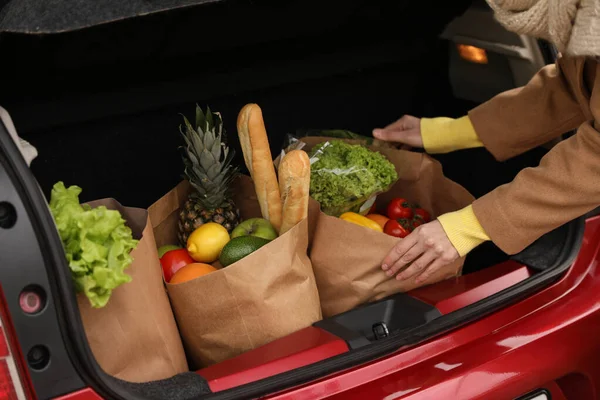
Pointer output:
514, 121
539, 200
518, 120
463, 230
562, 188
444, 135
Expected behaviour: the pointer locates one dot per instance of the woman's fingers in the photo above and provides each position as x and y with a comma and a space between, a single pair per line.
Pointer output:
409, 256
418, 266
410, 137
427, 248
406, 130
398, 251
405, 123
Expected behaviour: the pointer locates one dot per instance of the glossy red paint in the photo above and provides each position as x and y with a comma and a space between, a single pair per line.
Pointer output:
301, 348
10, 341
85, 394
3, 344
534, 342
457, 293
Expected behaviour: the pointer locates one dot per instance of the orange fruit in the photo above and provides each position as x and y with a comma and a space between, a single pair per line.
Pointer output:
380, 219
191, 271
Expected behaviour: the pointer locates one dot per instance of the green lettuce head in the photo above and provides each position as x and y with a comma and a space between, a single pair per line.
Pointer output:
97, 244
345, 176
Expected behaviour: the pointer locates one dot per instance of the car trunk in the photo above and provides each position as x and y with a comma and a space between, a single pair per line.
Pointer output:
100, 97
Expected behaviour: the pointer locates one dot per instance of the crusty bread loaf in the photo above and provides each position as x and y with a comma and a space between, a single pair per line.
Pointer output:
257, 155
294, 185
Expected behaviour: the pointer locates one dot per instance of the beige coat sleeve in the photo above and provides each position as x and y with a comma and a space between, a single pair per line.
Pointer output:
563, 187
523, 118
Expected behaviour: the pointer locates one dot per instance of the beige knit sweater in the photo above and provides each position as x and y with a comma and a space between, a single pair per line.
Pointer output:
573, 26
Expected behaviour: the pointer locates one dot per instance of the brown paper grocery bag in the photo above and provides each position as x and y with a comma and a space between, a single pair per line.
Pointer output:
267, 295
347, 258
135, 337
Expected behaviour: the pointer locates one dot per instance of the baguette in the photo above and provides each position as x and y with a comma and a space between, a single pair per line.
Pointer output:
257, 156
294, 185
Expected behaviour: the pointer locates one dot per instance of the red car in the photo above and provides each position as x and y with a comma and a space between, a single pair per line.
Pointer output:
97, 92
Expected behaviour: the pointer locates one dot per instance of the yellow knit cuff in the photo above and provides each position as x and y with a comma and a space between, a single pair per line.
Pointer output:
463, 229
443, 135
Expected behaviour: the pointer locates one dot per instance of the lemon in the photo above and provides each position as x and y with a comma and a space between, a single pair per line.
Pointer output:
205, 243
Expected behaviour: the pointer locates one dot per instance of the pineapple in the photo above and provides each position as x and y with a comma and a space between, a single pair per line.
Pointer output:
207, 161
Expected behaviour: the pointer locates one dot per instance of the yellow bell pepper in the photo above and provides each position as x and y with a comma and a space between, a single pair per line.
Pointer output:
360, 220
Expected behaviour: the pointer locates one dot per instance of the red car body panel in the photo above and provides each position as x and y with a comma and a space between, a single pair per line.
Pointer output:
549, 340
551, 336
304, 347
454, 294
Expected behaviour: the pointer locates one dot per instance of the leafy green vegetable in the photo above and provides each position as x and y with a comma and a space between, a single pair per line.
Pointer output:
344, 176
97, 244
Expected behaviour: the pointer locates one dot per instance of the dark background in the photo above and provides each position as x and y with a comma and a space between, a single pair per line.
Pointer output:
102, 105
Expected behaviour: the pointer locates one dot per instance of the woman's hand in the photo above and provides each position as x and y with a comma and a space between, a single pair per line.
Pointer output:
427, 248
406, 130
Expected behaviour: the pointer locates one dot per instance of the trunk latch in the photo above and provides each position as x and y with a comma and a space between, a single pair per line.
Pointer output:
380, 330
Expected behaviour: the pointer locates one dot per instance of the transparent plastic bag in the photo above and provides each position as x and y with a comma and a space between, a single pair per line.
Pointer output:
344, 177
344, 134
293, 141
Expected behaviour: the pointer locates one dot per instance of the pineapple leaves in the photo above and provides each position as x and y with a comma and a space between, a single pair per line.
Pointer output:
192, 159
197, 144
187, 122
213, 172
188, 143
209, 140
209, 121
215, 149
200, 118
207, 159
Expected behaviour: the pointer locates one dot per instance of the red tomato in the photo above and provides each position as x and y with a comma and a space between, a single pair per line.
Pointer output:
406, 223
423, 214
399, 208
416, 222
394, 228
172, 261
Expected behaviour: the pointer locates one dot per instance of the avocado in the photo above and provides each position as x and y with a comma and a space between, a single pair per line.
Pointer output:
239, 248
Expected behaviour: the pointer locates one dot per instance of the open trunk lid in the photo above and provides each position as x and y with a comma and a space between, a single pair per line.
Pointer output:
56, 16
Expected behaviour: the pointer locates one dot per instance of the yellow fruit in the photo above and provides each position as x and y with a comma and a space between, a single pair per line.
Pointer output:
205, 243
361, 220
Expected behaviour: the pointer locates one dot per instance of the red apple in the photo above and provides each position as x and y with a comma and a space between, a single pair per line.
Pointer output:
172, 261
